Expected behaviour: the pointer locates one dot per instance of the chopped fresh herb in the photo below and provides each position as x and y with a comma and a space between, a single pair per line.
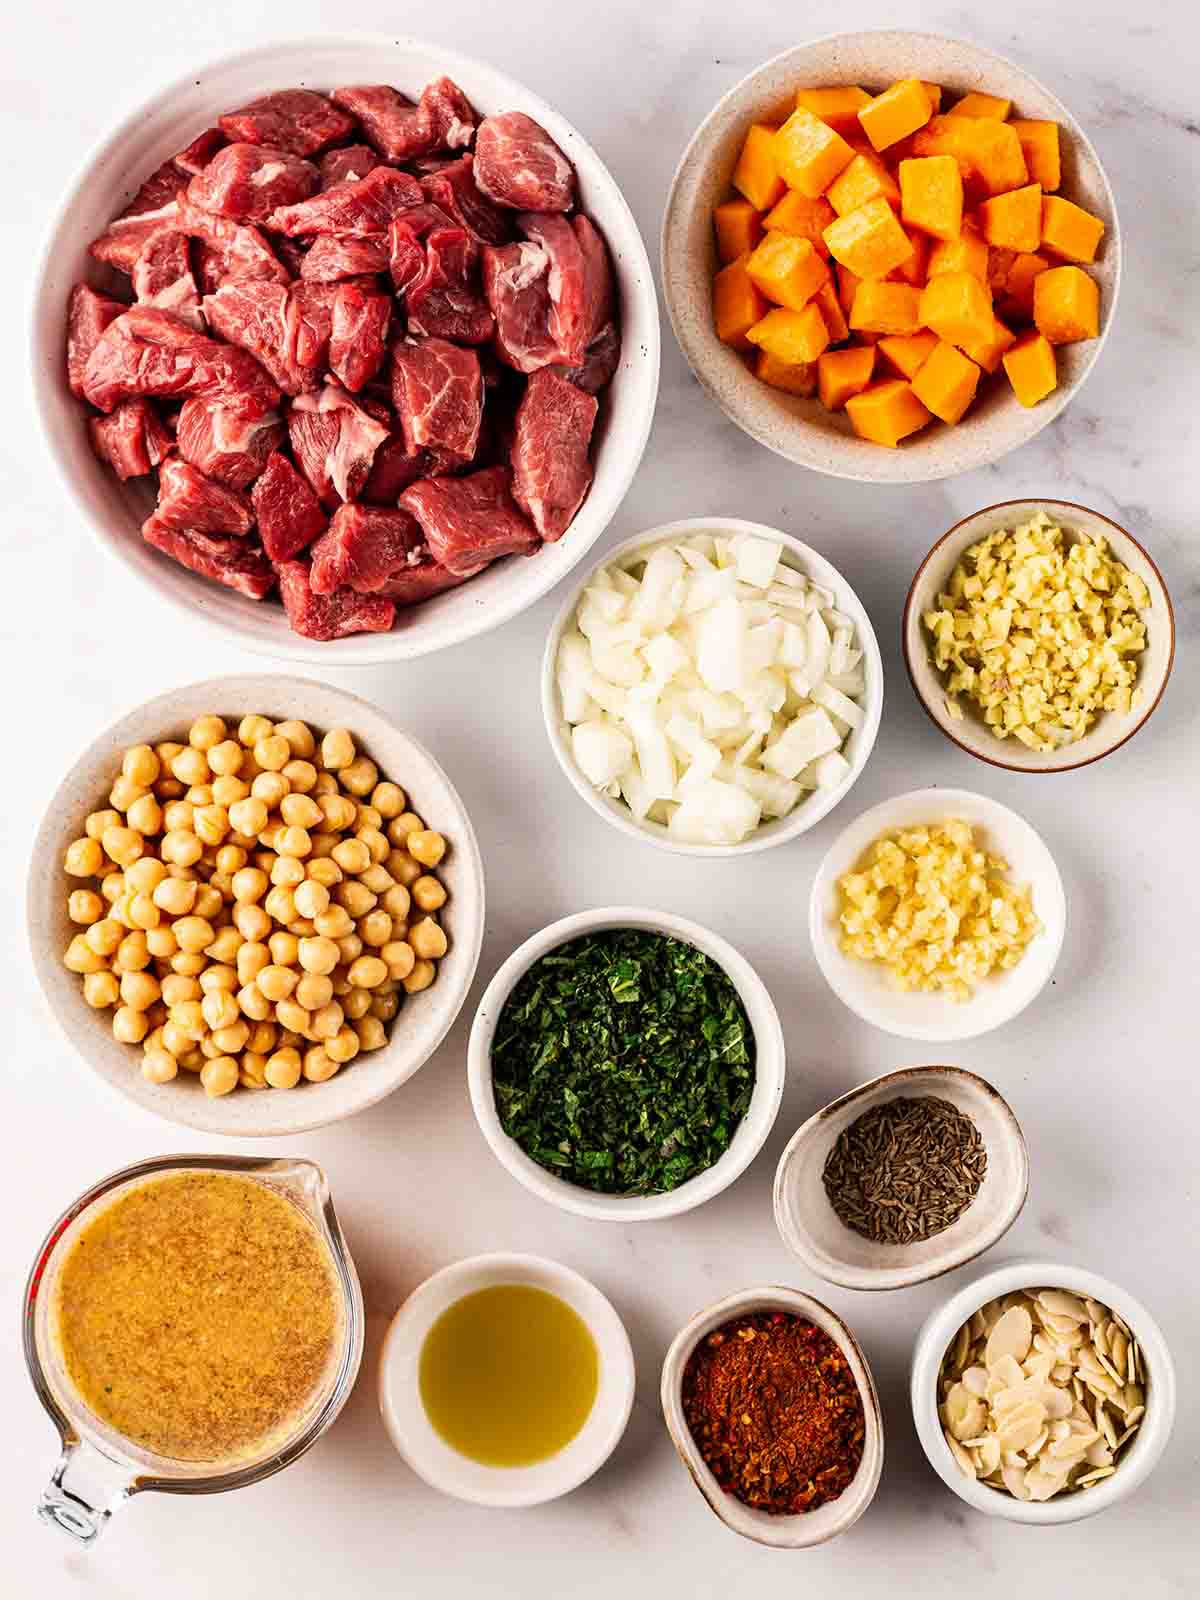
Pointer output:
623, 1062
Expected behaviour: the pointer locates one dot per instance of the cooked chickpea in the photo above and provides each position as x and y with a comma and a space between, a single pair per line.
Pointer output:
293, 841
272, 752
389, 800
341, 984
206, 733
189, 964
355, 899
175, 896
208, 1049
251, 959
303, 927
367, 972
426, 846
143, 913
429, 893
400, 958
182, 847
194, 933
129, 1026
311, 899
99, 821
376, 843
253, 922
192, 1060
103, 937
323, 870
283, 1068
249, 817
227, 791
139, 990
356, 1003
219, 1009
343, 1046
349, 948
122, 845
301, 776
178, 816
421, 976
277, 983
298, 735
140, 765
399, 828
271, 788
334, 923
84, 906
145, 814
371, 1033
322, 845
161, 942
200, 794
133, 953
262, 1038
190, 766
377, 879
219, 1076
252, 729
293, 1017
287, 872
176, 989
219, 976
176, 1038
403, 868
298, 811
211, 824
124, 792
327, 1021
313, 991
352, 855
318, 956
253, 1003
208, 901
326, 784
366, 816
375, 929
337, 749
100, 990
252, 1069
284, 948
281, 904
159, 1066
144, 876
360, 776
338, 811
249, 885
231, 858
232, 1039
225, 758
397, 902
427, 939
384, 1006
225, 946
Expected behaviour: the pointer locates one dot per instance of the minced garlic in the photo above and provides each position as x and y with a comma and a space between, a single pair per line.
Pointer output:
1041, 633
933, 906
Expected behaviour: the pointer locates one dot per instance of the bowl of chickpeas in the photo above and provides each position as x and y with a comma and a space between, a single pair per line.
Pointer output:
251, 885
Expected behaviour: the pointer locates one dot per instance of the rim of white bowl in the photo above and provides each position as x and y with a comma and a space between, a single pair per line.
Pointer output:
438, 1463
359, 649
957, 1022
770, 1065
814, 807
1144, 1451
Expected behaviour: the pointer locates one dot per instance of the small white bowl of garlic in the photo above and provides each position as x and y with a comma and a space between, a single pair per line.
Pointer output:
713, 686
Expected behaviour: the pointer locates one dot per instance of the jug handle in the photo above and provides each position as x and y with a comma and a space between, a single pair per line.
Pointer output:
85, 1490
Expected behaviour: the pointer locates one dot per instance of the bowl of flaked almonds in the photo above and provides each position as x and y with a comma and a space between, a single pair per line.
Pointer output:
1042, 1392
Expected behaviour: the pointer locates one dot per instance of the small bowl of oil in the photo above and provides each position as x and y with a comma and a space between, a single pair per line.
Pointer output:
506, 1380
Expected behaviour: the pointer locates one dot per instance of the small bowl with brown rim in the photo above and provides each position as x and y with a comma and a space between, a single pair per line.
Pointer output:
1111, 729
805, 1529
813, 1231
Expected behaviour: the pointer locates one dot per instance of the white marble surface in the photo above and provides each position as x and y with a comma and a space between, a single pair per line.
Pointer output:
1101, 1071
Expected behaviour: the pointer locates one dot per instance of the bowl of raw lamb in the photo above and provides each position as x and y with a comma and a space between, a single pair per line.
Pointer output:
351, 371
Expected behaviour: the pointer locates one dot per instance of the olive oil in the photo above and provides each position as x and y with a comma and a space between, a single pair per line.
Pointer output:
508, 1375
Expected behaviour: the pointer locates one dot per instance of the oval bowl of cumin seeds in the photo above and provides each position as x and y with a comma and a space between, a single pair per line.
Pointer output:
902, 1179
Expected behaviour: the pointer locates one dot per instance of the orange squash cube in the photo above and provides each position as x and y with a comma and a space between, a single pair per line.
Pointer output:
838, 107
806, 218
982, 105
756, 176
967, 253
830, 307
934, 91
886, 412
1000, 263
997, 159
793, 337
1066, 305
870, 241
800, 380
808, 154
1013, 221
1018, 285
737, 304
986, 353
1031, 368
1068, 230
908, 352
881, 307
843, 373
739, 228
913, 269
946, 136
931, 195
896, 113
862, 180
1039, 144
787, 270
957, 307
946, 383
847, 288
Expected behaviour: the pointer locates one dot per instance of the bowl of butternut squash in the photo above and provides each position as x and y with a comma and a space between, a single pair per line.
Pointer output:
891, 256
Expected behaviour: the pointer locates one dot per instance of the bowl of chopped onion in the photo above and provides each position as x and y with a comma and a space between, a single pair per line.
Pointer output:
713, 686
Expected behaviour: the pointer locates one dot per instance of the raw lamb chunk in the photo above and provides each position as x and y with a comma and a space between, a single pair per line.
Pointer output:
331, 258
358, 209
329, 616
580, 282
347, 165
237, 563
200, 152
242, 250
599, 364
246, 182
334, 442
132, 439
289, 514
470, 520
452, 187
88, 314
165, 184
150, 352
551, 470
394, 468
295, 120
437, 389
363, 546
516, 283
257, 317
358, 338
189, 500
162, 277
440, 300
518, 164
450, 113
311, 312
422, 582
225, 447
398, 129
125, 238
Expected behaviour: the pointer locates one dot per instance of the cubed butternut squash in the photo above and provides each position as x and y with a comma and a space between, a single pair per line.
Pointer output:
809, 154
908, 352
982, 105
870, 241
986, 353
1031, 368
806, 218
737, 304
912, 270
1039, 144
946, 136
756, 177
864, 178
931, 195
830, 307
957, 307
897, 112
847, 287
839, 107
843, 373
947, 382
1068, 230
1019, 282
881, 307
967, 253
999, 266
1066, 305
934, 91
997, 159
886, 412
793, 337
800, 379
787, 270
739, 228
1013, 221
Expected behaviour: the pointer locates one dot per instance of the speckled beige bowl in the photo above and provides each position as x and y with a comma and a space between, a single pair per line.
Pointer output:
420, 1024
801, 429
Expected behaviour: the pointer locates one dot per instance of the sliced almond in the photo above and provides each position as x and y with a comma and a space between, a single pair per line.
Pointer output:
1095, 1477
1061, 1303
1011, 1336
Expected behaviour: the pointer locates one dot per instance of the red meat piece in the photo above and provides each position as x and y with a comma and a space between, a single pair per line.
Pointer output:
295, 120
470, 520
516, 282
289, 514
363, 546
437, 389
451, 115
599, 364
150, 352
329, 616
124, 239
334, 442
358, 339
200, 152
225, 447
331, 259
311, 312
398, 129
257, 317
243, 251
347, 165
580, 282
394, 468
132, 439
442, 301
162, 277
246, 182
237, 563
165, 184
358, 209
88, 314
291, 252
452, 186
407, 257
518, 164
422, 582
187, 499
551, 470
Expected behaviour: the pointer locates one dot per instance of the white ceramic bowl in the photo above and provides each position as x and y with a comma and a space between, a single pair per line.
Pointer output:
812, 1230
858, 746
154, 132
782, 1532
972, 734
428, 1454
420, 1025
801, 429
1143, 1451
770, 1063
863, 985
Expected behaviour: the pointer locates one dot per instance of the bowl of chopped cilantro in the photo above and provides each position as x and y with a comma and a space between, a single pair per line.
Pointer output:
626, 1064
